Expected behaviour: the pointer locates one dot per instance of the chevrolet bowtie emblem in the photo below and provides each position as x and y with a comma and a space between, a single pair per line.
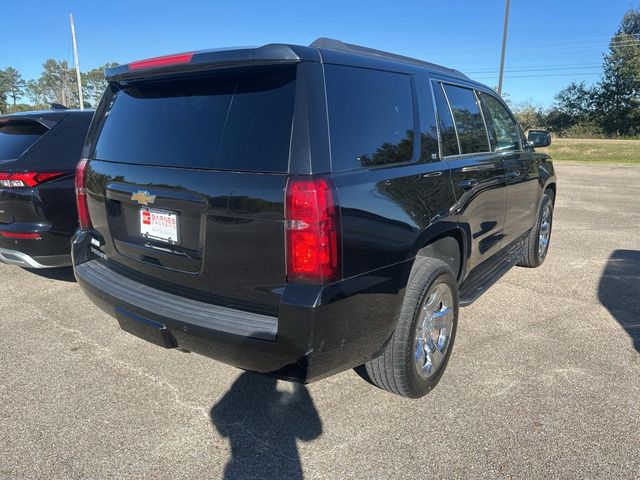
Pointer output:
143, 198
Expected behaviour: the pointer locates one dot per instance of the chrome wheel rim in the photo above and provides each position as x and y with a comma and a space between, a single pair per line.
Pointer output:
545, 231
433, 330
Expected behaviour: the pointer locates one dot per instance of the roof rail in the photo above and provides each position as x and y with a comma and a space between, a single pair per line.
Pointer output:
333, 44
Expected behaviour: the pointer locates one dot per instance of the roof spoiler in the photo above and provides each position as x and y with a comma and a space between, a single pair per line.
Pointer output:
208, 60
339, 45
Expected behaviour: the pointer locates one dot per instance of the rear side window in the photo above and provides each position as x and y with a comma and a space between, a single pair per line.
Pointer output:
235, 120
429, 128
370, 117
447, 129
16, 136
503, 130
469, 124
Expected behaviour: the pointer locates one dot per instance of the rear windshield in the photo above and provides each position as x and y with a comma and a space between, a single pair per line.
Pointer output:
18, 135
237, 120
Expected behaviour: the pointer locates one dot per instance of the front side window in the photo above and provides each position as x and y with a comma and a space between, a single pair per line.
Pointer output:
468, 118
503, 130
370, 117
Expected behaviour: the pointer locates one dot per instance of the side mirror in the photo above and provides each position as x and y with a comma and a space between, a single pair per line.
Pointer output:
539, 138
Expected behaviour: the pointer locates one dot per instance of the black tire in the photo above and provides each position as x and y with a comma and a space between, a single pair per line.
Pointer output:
534, 256
395, 369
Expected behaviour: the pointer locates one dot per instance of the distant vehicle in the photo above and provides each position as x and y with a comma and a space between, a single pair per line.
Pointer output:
38, 155
298, 211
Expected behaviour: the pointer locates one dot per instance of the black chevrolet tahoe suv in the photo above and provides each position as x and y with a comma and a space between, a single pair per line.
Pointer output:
39, 152
298, 211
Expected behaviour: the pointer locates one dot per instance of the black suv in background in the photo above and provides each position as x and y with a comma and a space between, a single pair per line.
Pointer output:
299, 211
38, 155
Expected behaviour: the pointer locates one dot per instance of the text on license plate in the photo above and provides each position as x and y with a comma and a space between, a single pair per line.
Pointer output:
159, 225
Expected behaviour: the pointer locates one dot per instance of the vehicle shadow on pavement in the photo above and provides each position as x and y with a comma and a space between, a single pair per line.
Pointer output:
64, 274
619, 291
263, 425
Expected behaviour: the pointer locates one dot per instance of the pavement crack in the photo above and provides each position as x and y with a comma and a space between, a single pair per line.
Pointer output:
104, 353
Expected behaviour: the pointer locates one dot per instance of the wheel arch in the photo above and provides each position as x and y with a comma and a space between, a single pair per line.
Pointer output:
447, 244
551, 185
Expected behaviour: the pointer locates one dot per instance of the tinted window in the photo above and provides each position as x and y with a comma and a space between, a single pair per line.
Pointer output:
16, 136
370, 117
447, 130
503, 130
236, 120
469, 124
429, 136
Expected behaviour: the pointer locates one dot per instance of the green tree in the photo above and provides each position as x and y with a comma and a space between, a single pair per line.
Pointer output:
13, 84
3, 93
529, 115
576, 101
56, 84
558, 121
35, 93
618, 98
93, 83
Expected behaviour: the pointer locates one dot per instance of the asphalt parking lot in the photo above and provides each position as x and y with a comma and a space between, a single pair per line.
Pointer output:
544, 380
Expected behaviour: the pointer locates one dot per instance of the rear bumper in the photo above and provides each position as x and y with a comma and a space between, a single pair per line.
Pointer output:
48, 251
20, 259
318, 331
97, 276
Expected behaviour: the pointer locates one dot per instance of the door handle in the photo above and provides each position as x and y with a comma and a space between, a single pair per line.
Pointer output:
432, 174
479, 168
513, 174
467, 184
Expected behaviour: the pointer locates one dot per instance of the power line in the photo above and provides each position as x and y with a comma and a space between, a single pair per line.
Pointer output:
535, 69
550, 45
542, 75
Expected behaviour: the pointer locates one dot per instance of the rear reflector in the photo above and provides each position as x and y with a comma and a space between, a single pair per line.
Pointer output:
312, 225
81, 195
165, 61
23, 236
26, 179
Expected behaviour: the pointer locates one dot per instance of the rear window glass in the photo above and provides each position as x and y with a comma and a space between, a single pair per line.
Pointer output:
370, 117
447, 129
472, 134
236, 120
17, 136
428, 125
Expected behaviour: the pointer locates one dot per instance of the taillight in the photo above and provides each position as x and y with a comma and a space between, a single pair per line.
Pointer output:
164, 61
21, 236
26, 179
81, 195
312, 225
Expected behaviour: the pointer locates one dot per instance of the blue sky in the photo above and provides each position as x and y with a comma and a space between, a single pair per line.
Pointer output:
551, 42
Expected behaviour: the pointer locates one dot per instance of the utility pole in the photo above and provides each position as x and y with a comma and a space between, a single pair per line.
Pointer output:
504, 44
75, 58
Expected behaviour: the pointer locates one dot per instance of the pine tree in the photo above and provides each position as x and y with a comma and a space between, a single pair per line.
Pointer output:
618, 98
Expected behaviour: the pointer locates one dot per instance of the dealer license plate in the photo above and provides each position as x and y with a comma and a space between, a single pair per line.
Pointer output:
159, 225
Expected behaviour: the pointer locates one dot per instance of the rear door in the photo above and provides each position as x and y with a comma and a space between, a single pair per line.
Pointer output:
523, 189
186, 183
478, 175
